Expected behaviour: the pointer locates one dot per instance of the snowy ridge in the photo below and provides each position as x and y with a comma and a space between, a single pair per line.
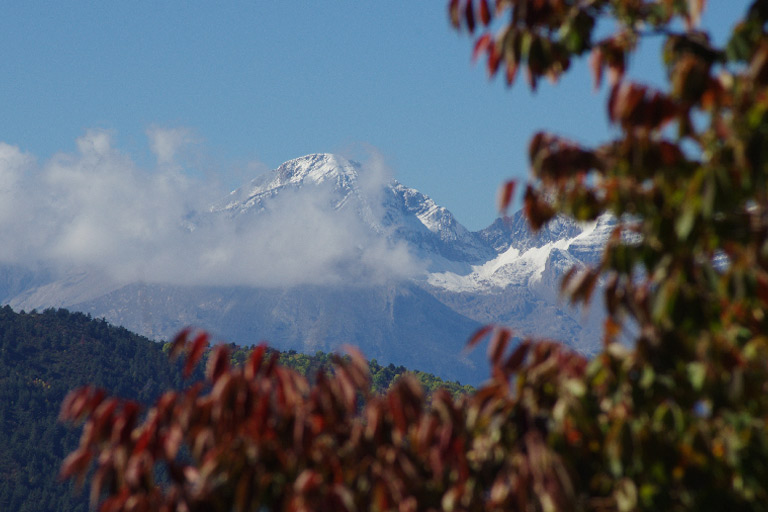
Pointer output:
504, 256
434, 217
515, 267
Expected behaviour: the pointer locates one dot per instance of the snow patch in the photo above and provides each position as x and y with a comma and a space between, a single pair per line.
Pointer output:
515, 267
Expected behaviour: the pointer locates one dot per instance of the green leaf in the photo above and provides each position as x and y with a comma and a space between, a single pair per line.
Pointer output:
685, 222
696, 374
626, 495
646, 380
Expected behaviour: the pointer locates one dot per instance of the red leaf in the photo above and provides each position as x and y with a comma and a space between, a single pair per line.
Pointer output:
124, 423
479, 335
494, 59
511, 72
137, 468
506, 192
426, 431
116, 502
80, 403
413, 395
373, 417
344, 498
102, 418
218, 363
532, 77
143, 440
538, 142
762, 288
75, 463
255, 361
469, 15
624, 101
498, 345
485, 12
581, 285
270, 366
517, 357
396, 408
172, 441
347, 390
596, 64
537, 210
359, 371
195, 352
97, 484
611, 330
670, 153
179, 342
481, 46
453, 13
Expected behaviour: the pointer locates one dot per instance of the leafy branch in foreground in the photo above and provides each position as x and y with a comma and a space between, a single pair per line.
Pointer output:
678, 421
262, 436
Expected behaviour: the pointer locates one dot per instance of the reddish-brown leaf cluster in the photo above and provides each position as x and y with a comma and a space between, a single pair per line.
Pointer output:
554, 158
610, 53
261, 436
634, 106
537, 210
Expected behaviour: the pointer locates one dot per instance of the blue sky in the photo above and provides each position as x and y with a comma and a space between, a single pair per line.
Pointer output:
256, 83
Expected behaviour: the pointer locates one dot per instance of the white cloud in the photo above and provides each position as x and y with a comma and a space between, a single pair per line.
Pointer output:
96, 210
165, 143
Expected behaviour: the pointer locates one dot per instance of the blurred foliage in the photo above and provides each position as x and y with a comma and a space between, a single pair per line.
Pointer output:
676, 421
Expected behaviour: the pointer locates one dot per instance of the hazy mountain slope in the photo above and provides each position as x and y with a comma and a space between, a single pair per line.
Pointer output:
400, 324
526, 297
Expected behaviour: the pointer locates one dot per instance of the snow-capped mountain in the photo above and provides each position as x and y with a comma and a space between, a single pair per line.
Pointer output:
457, 279
310, 170
389, 208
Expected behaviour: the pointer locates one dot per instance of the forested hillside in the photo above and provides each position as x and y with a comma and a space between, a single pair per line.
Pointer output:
45, 355
42, 357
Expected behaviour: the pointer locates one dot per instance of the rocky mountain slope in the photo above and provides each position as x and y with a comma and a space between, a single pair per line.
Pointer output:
456, 279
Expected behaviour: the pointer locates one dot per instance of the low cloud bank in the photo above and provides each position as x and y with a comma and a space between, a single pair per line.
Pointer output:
97, 210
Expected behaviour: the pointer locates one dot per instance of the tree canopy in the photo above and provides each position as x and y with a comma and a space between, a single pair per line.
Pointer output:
675, 421
43, 356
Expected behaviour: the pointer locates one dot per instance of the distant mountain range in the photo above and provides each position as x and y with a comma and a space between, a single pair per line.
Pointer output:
411, 291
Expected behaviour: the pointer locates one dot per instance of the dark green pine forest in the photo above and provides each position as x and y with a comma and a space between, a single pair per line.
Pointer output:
45, 355
42, 357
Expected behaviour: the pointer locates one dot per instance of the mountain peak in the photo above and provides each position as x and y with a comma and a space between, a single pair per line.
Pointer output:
388, 208
316, 167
